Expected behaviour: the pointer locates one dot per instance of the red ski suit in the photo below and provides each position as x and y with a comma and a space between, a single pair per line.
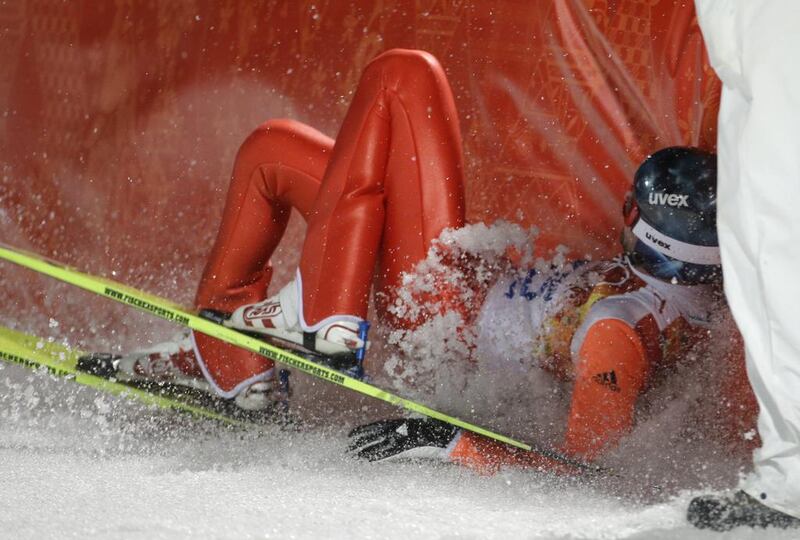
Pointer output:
374, 201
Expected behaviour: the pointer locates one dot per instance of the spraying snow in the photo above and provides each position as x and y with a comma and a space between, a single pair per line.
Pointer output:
78, 463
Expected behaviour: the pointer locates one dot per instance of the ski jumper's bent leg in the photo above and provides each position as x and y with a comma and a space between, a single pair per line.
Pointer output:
611, 373
278, 167
394, 182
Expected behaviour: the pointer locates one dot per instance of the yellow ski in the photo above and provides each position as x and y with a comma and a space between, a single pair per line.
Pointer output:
31, 351
172, 312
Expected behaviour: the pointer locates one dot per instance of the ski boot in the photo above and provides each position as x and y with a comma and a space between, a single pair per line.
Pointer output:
724, 512
173, 363
278, 317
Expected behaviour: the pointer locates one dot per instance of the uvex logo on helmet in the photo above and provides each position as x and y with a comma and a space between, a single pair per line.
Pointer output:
658, 241
669, 199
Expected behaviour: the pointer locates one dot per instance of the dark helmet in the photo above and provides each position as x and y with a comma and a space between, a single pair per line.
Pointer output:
672, 214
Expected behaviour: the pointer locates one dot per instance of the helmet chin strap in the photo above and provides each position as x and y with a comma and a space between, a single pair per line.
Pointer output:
673, 248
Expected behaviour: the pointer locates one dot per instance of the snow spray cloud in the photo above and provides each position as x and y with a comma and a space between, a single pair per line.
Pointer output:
437, 360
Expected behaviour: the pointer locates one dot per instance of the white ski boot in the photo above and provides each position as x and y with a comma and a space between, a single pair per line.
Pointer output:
170, 362
174, 362
278, 316
256, 397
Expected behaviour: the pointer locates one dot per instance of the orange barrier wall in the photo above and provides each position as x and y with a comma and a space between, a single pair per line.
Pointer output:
119, 119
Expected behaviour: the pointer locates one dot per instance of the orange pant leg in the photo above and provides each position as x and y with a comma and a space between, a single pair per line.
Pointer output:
393, 184
278, 167
611, 373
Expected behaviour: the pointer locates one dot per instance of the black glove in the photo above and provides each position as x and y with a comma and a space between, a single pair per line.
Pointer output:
402, 438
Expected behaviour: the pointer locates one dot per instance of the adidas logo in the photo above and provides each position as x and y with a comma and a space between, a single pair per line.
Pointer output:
609, 379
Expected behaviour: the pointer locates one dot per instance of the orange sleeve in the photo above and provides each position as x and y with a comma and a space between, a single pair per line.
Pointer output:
486, 456
612, 368
611, 372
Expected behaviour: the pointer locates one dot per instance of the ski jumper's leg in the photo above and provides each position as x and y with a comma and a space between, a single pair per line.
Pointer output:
394, 182
611, 372
277, 168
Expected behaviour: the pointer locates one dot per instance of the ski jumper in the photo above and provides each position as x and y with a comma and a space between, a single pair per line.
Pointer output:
752, 45
374, 201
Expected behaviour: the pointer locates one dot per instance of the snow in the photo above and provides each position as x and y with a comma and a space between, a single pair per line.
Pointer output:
78, 464
75, 463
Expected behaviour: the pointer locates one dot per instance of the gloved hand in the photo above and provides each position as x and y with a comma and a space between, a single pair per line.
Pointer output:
402, 438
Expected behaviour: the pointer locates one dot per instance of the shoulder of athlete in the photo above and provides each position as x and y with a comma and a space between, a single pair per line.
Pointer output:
676, 313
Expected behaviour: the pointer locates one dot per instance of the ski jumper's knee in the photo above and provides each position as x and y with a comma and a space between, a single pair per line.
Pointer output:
285, 159
405, 65
611, 371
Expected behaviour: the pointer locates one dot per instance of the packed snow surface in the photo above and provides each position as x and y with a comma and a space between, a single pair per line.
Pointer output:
78, 464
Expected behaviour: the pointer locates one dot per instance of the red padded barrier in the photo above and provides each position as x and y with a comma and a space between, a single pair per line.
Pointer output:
120, 119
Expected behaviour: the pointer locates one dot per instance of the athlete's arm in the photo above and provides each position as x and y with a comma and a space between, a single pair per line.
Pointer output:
424, 438
612, 368
487, 456
611, 371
